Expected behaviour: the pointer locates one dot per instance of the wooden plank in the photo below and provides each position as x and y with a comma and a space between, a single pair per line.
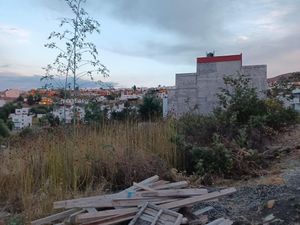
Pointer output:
157, 217
179, 203
175, 185
166, 216
116, 202
91, 210
132, 222
86, 202
147, 181
179, 220
126, 202
87, 217
204, 210
176, 192
71, 218
159, 183
101, 200
111, 220
142, 186
52, 218
193, 200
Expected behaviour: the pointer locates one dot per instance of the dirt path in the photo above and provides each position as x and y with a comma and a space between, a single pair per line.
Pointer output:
270, 199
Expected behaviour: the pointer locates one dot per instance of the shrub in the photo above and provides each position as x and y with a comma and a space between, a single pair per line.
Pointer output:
198, 129
26, 132
4, 131
213, 159
151, 108
229, 141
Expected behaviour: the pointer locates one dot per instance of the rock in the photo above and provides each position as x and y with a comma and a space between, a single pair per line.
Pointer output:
2, 222
269, 218
270, 204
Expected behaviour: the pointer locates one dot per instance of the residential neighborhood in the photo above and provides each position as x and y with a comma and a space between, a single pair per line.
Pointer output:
63, 108
134, 112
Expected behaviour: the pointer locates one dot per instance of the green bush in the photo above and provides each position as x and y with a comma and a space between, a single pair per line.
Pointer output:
151, 108
213, 159
26, 132
4, 131
198, 129
229, 140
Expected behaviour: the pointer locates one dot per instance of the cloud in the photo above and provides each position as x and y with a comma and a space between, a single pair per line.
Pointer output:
14, 31
14, 80
262, 29
3, 66
12, 35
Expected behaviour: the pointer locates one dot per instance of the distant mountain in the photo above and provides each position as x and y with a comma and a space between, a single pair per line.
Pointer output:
15, 81
289, 76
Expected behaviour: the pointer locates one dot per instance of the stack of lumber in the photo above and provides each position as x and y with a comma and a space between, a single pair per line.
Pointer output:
151, 198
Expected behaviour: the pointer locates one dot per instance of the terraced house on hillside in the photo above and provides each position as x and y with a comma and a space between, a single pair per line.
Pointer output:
198, 91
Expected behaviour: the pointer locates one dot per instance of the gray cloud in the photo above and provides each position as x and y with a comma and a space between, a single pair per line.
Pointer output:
13, 80
262, 29
5, 66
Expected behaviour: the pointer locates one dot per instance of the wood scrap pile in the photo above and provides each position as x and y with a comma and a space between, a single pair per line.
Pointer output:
152, 201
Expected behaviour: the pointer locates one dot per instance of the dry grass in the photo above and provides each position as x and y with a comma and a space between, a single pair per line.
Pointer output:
56, 164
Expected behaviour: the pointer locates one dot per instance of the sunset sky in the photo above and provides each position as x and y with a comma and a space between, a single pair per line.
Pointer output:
145, 42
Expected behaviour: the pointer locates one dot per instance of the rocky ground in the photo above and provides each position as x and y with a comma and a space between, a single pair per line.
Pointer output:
271, 199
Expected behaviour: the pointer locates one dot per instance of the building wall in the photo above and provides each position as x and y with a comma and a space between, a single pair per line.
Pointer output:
197, 92
258, 75
2, 102
21, 119
296, 99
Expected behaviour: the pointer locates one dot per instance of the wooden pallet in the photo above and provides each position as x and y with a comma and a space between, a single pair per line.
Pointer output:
154, 215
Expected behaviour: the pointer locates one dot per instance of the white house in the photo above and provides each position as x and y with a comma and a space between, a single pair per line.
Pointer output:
67, 113
296, 99
21, 118
2, 102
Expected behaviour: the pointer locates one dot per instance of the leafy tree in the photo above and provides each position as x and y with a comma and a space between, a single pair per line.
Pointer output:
134, 89
64, 93
77, 56
20, 99
53, 121
93, 113
239, 99
41, 109
30, 100
6, 110
4, 131
37, 98
151, 107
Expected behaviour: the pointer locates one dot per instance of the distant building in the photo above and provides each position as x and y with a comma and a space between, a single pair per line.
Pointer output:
197, 91
288, 81
21, 118
12, 93
2, 102
46, 101
296, 99
67, 114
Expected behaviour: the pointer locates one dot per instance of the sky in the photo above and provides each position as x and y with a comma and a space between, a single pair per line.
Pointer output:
145, 43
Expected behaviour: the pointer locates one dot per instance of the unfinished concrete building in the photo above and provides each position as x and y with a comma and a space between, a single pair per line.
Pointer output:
197, 91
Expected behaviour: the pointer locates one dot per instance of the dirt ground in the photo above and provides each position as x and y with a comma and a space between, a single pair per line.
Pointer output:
271, 199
